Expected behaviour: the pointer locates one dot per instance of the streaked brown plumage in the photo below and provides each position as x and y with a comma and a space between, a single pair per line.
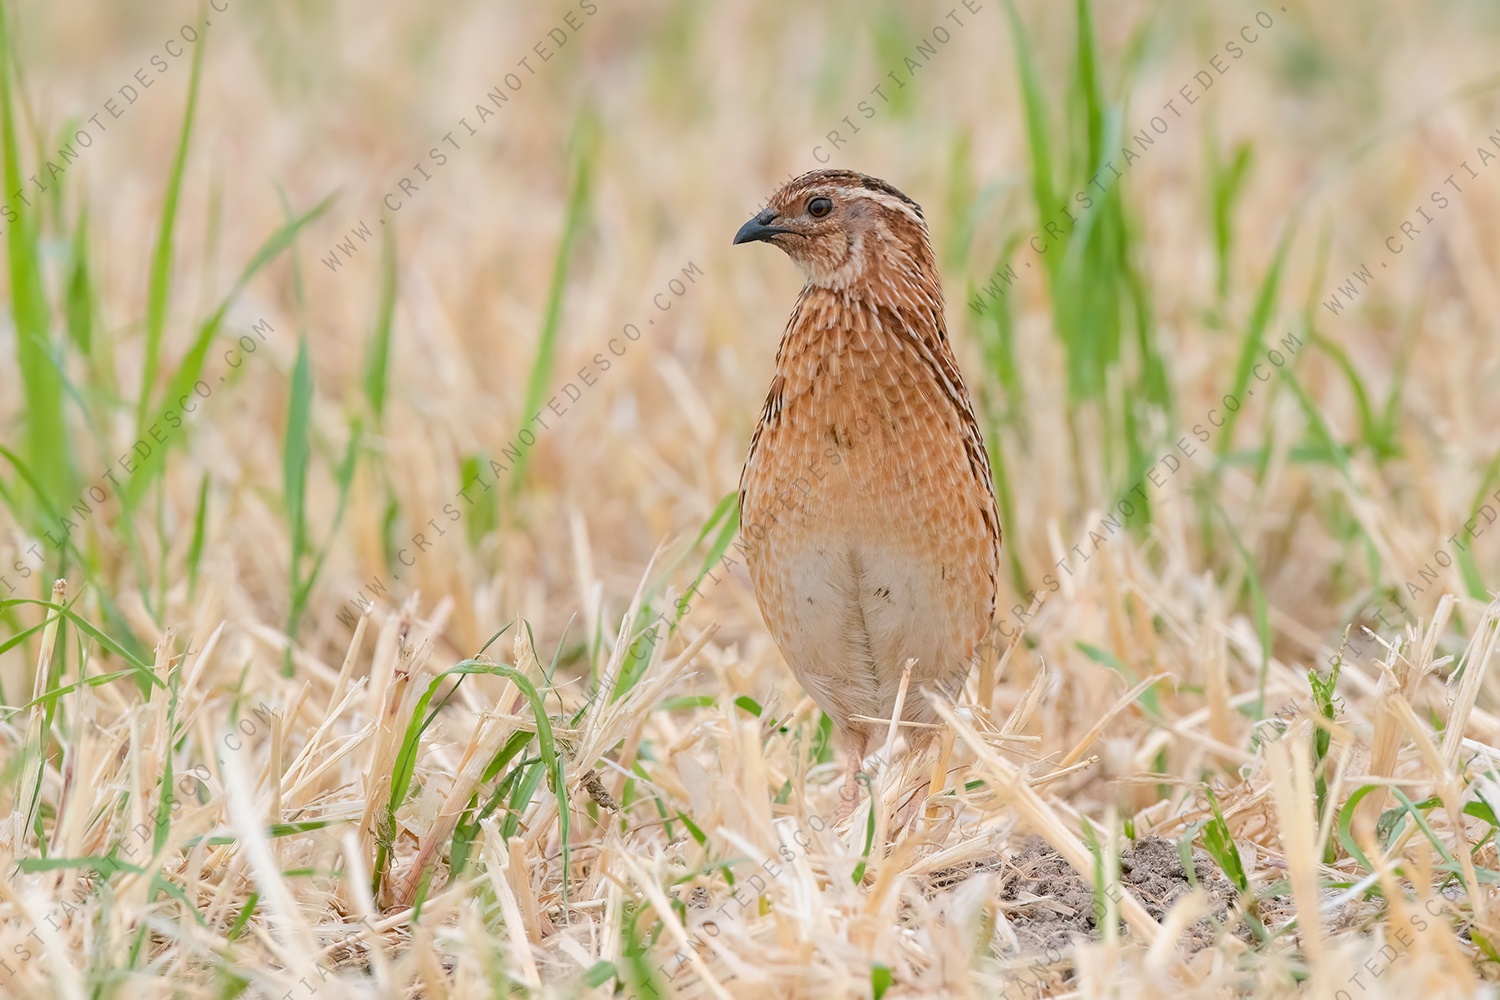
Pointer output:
866, 504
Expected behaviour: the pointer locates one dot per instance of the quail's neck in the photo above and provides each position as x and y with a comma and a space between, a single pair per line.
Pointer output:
898, 302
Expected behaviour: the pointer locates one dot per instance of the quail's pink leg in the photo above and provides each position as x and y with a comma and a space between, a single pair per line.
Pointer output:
855, 744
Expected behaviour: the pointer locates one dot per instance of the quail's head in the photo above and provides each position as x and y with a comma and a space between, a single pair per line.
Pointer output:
843, 227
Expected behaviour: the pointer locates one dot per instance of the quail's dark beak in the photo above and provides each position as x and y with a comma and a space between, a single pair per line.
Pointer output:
759, 228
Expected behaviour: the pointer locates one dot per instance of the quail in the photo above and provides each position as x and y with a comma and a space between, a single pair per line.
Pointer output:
870, 529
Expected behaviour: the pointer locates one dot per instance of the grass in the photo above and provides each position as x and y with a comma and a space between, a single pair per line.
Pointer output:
560, 754
539, 385
158, 290
1101, 306
48, 449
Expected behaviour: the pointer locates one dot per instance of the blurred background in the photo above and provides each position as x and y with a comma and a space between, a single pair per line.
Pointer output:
340, 305
498, 196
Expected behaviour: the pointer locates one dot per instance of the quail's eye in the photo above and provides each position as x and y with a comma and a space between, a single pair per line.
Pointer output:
819, 207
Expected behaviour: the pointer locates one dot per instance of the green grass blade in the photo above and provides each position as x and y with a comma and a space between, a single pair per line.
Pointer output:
138, 663
1225, 185
188, 373
344, 479
482, 519
104, 865
195, 549
1473, 582
1260, 608
546, 746
47, 448
1219, 842
44, 505
295, 457
78, 302
1036, 117
1375, 432
725, 523
551, 761
1005, 500
158, 288
1088, 89
585, 144
1328, 446
1255, 329
378, 362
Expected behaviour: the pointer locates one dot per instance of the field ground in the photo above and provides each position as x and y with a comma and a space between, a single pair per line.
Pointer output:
381, 378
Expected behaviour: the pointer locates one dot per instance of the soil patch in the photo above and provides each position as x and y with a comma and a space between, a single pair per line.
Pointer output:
1048, 903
